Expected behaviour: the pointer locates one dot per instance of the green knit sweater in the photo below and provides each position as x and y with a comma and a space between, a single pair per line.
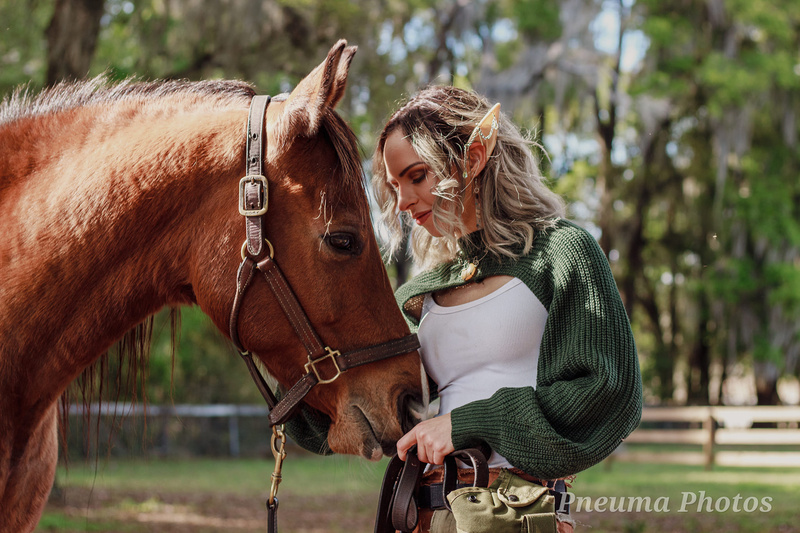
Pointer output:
588, 395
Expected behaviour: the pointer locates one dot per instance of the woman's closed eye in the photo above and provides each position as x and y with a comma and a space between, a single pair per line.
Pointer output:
418, 178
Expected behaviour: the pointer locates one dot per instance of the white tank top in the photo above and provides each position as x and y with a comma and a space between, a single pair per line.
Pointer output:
474, 349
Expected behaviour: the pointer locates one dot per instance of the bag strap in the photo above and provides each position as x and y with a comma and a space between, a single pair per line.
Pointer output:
480, 467
397, 503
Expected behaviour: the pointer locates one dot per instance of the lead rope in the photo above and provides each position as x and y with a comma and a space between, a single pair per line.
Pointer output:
279, 452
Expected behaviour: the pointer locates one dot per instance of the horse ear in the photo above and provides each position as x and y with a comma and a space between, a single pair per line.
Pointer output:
321, 90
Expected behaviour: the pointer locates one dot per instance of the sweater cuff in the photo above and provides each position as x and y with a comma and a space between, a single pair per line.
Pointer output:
471, 424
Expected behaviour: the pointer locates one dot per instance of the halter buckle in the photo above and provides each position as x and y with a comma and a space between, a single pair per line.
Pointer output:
263, 196
332, 354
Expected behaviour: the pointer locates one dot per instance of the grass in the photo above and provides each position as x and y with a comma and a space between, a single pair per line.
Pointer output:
322, 475
314, 485
53, 521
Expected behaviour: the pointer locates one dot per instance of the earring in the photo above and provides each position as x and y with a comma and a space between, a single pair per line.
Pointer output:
477, 193
477, 205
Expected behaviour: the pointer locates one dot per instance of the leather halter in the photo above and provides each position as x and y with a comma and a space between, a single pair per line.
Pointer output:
253, 203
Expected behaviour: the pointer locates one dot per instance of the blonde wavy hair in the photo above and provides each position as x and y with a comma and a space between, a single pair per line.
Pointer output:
515, 202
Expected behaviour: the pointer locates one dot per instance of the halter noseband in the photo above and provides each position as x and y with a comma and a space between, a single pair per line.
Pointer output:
253, 203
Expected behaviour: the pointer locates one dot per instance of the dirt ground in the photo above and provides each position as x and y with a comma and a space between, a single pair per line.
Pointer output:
100, 510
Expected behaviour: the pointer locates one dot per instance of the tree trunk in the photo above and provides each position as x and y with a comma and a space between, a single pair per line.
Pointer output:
72, 39
766, 374
605, 184
699, 376
663, 358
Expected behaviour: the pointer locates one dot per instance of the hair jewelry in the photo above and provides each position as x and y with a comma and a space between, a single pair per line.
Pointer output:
486, 131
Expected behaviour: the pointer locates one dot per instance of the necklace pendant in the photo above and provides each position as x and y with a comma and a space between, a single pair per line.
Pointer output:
468, 272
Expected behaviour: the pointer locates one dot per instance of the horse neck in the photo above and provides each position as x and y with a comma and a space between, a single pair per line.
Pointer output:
97, 236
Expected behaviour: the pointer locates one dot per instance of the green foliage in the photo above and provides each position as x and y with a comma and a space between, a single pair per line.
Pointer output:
205, 369
784, 282
768, 196
765, 351
571, 186
538, 20
714, 177
22, 43
506, 53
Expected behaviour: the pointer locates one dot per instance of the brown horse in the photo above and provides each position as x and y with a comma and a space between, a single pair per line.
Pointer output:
118, 200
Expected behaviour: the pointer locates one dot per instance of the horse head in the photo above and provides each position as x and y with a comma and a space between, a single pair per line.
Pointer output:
319, 230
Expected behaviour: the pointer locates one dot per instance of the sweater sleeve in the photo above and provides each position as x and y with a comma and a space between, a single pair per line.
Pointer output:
589, 393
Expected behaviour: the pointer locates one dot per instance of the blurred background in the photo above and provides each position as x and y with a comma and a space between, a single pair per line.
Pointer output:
670, 127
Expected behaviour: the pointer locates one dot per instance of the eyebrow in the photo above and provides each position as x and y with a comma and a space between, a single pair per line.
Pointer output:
409, 167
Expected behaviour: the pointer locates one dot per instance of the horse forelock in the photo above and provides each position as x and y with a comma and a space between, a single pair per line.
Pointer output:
101, 89
345, 145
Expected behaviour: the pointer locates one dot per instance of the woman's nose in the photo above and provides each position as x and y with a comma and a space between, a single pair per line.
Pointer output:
405, 198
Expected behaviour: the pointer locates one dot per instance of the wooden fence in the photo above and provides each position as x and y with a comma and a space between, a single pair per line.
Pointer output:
159, 414
708, 436
757, 436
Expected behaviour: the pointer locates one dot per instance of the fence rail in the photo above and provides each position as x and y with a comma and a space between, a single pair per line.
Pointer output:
713, 428
231, 412
187, 410
705, 434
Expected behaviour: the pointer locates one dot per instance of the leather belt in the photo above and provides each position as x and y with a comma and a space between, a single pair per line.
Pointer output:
432, 496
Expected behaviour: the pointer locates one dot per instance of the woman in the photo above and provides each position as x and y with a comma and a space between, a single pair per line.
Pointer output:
522, 328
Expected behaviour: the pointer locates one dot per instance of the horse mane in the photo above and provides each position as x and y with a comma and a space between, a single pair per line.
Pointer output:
129, 376
101, 89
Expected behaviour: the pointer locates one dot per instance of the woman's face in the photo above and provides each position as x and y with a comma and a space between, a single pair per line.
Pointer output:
414, 182
411, 179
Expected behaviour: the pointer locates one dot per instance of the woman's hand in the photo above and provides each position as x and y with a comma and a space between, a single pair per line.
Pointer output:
432, 438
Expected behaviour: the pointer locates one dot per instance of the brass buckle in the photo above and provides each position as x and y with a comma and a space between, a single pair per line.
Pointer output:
313, 364
279, 452
253, 212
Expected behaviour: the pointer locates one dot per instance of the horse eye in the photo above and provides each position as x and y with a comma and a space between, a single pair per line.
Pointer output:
343, 242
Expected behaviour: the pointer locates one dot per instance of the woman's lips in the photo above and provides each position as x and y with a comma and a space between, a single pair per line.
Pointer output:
422, 217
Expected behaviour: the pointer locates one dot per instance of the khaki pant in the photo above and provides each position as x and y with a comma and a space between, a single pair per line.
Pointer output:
441, 521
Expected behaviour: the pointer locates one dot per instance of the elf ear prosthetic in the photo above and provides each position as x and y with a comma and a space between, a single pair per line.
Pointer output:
486, 132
